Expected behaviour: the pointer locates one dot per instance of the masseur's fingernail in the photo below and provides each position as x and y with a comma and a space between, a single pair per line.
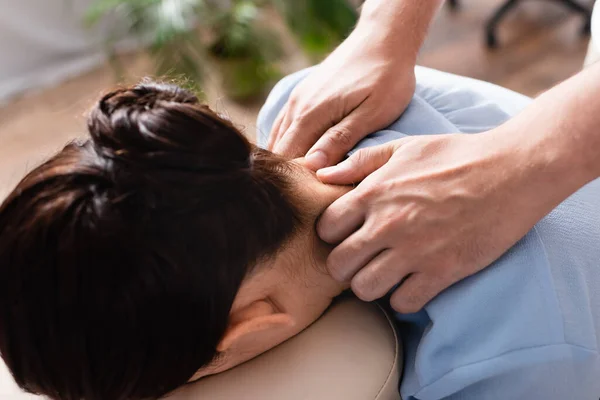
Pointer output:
326, 172
316, 160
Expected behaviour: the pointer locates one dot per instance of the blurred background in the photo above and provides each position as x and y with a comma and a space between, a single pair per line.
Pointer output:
59, 55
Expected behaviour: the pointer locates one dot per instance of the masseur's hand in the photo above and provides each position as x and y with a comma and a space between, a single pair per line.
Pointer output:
363, 86
432, 210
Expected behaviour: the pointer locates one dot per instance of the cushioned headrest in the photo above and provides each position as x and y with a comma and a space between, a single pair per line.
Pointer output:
350, 353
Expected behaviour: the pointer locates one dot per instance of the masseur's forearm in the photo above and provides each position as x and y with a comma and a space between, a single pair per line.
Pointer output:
558, 138
402, 24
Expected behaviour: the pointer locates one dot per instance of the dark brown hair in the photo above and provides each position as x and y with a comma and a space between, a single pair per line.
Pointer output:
120, 257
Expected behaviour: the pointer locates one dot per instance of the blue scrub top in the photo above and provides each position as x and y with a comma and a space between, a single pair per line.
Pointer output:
526, 327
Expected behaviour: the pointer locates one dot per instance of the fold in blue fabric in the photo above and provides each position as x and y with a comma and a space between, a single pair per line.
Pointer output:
527, 326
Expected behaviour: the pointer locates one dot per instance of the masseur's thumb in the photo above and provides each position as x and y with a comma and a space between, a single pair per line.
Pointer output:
337, 141
358, 166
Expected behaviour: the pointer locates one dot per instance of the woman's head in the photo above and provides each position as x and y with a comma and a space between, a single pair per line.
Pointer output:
165, 247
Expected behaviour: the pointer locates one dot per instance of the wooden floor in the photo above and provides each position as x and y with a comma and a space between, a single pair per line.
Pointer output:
540, 45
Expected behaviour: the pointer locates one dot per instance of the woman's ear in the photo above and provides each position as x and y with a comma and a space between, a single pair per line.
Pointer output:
248, 324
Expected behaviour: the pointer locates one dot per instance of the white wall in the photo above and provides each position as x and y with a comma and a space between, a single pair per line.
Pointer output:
43, 42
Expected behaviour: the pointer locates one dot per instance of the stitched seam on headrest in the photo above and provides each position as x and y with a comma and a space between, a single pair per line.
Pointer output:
395, 363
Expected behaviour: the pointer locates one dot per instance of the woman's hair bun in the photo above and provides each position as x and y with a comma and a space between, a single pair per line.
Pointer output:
157, 125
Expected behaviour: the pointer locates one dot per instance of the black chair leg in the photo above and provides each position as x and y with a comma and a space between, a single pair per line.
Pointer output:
584, 11
586, 29
575, 6
492, 24
492, 39
453, 4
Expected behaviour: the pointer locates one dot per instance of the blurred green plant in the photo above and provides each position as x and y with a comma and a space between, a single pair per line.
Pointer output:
245, 49
181, 35
319, 25
165, 27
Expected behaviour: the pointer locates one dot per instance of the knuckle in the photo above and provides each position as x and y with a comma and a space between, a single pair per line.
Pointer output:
380, 232
354, 160
409, 300
362, 197
293, 99
302, 114
359, 156
359, 242
341, 136
362, 289
375, 189
374, 232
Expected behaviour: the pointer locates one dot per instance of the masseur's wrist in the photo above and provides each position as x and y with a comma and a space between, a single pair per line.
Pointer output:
537, 170
559, 134
399, 26
573, 121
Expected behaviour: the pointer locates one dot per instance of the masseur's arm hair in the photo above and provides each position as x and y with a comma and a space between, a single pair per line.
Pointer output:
120, 257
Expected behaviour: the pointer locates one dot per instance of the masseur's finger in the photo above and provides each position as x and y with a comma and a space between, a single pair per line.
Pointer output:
275, 129
353, 254
416, 291
338, 140
359, 165
285, 120
380, 275
341, 218
301, 134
